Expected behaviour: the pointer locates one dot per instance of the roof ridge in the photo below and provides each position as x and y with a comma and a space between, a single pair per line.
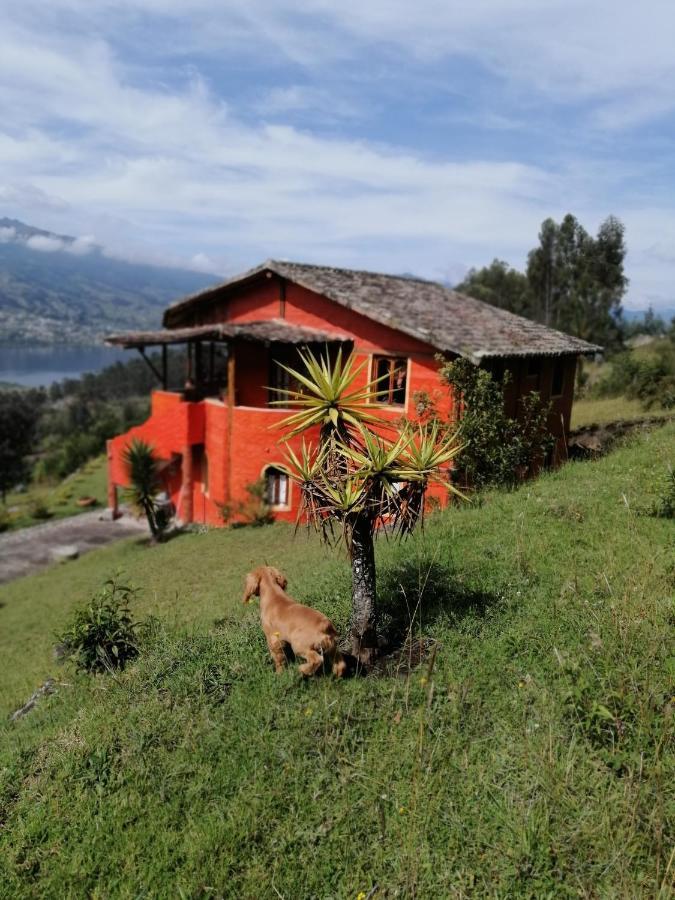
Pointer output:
289, 262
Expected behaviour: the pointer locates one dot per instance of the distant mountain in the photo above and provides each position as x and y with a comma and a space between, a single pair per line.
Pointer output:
57, 289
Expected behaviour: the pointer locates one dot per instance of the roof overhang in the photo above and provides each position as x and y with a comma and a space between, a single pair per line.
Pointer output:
584, 349
270, 331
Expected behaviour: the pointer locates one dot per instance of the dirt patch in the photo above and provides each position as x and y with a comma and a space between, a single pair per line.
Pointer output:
407, 658
593, 441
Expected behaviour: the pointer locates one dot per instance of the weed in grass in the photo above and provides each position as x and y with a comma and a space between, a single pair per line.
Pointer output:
39, 510
664, 506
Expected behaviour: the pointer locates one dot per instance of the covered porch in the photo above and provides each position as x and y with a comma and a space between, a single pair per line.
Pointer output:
213, 354
210, 420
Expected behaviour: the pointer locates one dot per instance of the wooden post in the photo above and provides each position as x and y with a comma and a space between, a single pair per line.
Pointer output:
282, 299
230, 415
198, 366
189, 363
112, 487
187, 487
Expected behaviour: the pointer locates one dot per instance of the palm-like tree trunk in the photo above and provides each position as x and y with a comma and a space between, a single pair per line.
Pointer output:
363, 623
149, 510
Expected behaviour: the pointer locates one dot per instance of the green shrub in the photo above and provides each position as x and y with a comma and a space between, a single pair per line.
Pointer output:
255, 510
102, 635
497, 450
4, 519
649, 379
664, 506
38, 509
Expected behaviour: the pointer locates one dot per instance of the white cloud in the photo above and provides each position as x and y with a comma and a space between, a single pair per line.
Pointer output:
201, 262
7, 234
582, 48
150, 161
25, 195
45, 243
280, 101
81, 246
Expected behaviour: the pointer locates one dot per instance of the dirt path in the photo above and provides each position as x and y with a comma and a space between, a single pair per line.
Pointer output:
31, 549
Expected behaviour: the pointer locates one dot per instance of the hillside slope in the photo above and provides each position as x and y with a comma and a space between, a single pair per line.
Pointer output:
54, 289
534, 759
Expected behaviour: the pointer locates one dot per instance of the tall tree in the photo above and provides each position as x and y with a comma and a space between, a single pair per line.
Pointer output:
19, 413
577, 281
499, 285
574, 282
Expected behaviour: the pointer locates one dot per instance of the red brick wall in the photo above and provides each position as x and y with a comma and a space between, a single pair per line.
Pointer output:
250, 304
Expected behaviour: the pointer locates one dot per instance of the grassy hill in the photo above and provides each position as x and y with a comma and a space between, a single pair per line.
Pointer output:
44, 501
535, 758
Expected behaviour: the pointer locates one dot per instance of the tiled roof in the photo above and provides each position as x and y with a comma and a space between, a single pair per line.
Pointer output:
268, 331
425, 310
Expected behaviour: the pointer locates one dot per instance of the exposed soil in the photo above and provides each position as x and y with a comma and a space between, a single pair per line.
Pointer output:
595, 440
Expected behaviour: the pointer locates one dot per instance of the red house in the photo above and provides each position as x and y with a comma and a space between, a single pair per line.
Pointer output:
215, 434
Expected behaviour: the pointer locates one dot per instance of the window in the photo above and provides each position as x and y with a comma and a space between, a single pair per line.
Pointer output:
391, 373
276, 487
558, 379
280, 379
533, 372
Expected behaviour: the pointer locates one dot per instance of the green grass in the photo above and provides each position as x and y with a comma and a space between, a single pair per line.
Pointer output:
591, 410
534, 760
604, 410
60, 500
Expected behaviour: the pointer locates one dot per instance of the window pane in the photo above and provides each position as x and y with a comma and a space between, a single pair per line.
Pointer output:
382, 372
398, 385
276, 487
393, 373
269, 487
282, 482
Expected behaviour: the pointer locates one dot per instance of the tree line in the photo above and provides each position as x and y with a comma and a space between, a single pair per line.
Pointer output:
47, 433
573, 281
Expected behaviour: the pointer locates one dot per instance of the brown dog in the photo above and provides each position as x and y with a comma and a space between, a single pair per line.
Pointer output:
287, 623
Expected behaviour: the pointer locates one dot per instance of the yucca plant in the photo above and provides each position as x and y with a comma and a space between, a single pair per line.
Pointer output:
362, 477
144, 485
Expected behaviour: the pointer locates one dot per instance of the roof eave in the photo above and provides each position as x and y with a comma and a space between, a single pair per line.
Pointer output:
207, 294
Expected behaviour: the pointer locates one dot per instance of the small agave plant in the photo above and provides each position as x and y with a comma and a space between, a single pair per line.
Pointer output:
363, 476
144, 485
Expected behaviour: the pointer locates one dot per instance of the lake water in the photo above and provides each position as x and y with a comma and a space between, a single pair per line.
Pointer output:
35, 366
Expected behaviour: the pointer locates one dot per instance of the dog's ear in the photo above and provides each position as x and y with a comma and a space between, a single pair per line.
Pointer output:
251, 586
279, 577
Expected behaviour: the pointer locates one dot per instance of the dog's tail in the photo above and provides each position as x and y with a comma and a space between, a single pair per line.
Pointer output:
327, 642
327, 646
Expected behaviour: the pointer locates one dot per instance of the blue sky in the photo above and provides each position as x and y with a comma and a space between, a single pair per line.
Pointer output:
420, 137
